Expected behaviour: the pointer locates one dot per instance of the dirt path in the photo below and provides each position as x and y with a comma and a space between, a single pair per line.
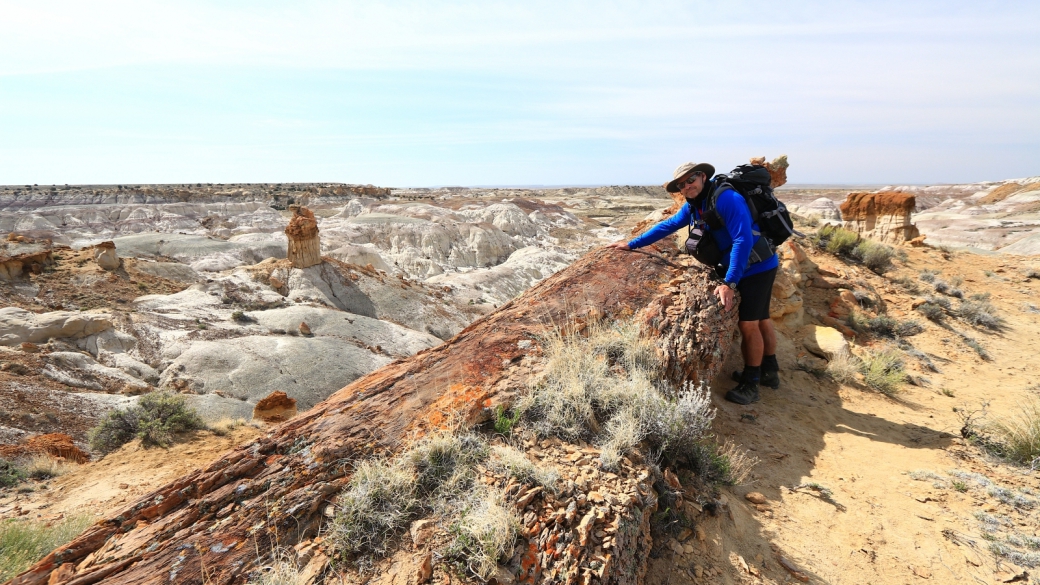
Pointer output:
895, 514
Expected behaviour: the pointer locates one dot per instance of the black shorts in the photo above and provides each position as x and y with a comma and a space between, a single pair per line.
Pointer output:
755, 292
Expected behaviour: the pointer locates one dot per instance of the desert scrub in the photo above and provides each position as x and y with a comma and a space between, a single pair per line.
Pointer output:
977, 347
44, 467
23, 542
978, 311
735, 464
843, 367
281, 570
933, 309
516, 465
928, 275
384, 495
613, 375
1019, 435
155, 420
884, 325
10, 473
378, 503
882, 370
836, 240
876, 257
485, 532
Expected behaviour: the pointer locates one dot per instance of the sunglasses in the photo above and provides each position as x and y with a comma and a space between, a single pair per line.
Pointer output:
689, 181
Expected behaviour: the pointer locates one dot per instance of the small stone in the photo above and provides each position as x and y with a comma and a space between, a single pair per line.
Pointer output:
596, 497
675, 546
672, 480
421, 531
275, 282
701, 536
756, 498
305, 329
688, 548
684, 534
424, 571
124, 486
698, 571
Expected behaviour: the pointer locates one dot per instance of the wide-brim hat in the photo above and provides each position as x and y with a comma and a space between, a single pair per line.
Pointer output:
685, 170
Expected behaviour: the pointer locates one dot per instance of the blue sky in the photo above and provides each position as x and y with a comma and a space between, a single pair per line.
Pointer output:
482, 93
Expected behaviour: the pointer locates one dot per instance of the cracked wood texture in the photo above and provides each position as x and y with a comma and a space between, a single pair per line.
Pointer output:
211, 525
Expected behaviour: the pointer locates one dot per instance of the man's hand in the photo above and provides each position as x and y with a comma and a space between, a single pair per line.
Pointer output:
725, 295
622, 245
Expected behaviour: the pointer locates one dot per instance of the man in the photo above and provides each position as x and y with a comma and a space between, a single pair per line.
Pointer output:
736, 237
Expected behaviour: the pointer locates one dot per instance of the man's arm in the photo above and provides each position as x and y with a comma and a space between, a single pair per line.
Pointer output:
734, 211
663, 228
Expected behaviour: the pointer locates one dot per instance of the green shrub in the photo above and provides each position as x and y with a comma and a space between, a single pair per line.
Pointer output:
155, 419
504, 422
10, 474
23, 542
841, 241
882, 370
876, 257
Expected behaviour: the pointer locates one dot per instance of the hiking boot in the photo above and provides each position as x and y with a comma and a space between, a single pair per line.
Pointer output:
744, 393
769, 378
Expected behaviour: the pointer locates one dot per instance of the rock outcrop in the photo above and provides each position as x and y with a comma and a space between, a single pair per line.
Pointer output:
304, 247
884, 216
207, 526
18, 326
105, 255
275, 407
56, 445
19, 255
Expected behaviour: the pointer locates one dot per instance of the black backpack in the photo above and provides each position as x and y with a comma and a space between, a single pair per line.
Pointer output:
752, 182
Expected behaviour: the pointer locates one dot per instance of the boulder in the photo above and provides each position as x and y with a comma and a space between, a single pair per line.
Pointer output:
883, 216
276, 407
19, 326
105, 255
825, 342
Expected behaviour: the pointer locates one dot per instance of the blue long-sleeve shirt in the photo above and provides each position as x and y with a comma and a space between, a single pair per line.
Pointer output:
737, 237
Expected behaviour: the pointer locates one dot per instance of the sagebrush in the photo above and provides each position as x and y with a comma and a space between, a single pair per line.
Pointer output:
156, 419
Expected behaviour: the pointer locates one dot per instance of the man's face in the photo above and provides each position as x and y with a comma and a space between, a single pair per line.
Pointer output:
692, 185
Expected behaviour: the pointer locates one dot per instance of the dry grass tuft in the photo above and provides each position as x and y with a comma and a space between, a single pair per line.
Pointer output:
283, 570
23, 542
45, 467
1019, 435
843, 367
741, 463
485, 533
525, 471
882, 370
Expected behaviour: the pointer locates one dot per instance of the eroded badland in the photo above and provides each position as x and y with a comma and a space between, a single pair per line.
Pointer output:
392, 381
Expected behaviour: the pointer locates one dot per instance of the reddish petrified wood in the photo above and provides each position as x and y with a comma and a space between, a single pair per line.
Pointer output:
208, 526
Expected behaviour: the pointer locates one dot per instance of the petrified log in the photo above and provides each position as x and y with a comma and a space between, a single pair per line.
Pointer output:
209, 525
302, 231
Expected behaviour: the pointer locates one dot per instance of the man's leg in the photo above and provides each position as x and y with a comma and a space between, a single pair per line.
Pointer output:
751, 348
752, 342
765, 326
770, 368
